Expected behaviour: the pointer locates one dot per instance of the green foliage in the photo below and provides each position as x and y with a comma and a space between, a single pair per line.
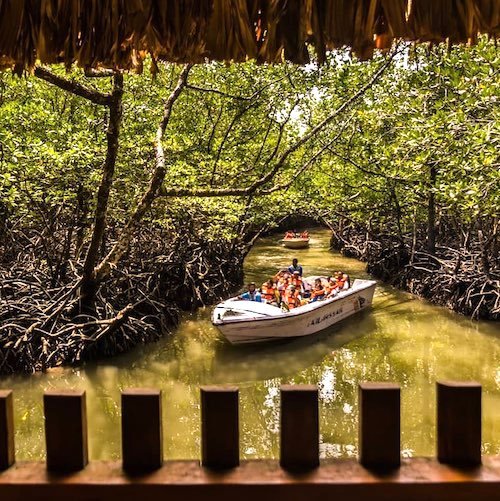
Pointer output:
434, 108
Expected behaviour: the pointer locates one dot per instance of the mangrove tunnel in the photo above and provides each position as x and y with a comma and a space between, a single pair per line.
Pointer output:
398, 156
153, 154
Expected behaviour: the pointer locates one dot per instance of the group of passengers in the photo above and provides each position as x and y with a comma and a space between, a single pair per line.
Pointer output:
296, 234
287, 289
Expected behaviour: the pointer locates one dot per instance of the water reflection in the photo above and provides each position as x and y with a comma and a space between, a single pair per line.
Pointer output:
402, 339
285, 358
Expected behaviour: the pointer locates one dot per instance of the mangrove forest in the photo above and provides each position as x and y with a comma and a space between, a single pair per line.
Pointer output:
128, 198
254, 245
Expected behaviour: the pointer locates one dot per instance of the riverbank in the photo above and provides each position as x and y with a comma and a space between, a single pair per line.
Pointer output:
449, 277
163, 276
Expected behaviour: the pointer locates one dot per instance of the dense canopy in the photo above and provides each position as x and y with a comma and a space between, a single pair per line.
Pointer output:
119, 34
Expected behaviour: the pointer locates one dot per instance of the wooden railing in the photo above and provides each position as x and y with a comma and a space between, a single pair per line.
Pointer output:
459, 472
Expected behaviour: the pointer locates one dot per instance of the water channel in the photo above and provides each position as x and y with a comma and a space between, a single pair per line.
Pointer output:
402, 339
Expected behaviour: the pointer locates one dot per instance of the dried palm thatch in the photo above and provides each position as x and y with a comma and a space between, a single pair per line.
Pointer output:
120, 33
287, 27
230, 34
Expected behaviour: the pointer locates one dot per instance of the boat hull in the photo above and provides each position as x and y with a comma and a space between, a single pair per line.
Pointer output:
295, 243
302, 321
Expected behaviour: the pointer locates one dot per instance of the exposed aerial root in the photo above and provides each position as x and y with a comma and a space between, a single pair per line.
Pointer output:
454, 278
138, 303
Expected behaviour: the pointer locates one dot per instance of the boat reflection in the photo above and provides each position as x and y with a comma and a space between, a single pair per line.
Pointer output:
284, 358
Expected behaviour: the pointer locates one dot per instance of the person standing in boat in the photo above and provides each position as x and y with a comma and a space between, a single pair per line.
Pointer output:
295, 267
252, 294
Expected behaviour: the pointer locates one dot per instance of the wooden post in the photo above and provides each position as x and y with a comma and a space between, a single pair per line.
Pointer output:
459, 423
142, 442
65, 430
219, 427
379, 425
7, 455
299, 437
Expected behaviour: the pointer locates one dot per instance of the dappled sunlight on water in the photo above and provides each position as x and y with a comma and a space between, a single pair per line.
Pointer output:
402, 339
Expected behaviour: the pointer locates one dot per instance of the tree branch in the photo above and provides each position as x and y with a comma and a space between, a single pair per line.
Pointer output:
73, 87
366, 170
236, 117
218, 92
303, 168
224, 192
122, 244
233, 96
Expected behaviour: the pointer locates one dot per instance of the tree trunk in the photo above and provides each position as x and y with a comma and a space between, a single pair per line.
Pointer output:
431, 211
483, 247
413, 235
81, 214
398, 211
89, 286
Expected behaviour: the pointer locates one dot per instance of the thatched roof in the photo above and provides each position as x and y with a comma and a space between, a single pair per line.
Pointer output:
119, 33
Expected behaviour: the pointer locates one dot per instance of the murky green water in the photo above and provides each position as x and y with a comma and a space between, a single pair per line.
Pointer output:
402, 339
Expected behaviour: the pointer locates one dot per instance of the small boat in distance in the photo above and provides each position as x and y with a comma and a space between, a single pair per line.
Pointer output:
295, 240
249, 322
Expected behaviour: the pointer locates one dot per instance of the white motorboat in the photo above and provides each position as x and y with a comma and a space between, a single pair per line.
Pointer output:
248, 321
295, 243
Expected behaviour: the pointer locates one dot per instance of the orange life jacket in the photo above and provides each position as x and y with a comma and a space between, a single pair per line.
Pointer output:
332, 286
292, 299
268, 293
340, 283
318, 292
283, 284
